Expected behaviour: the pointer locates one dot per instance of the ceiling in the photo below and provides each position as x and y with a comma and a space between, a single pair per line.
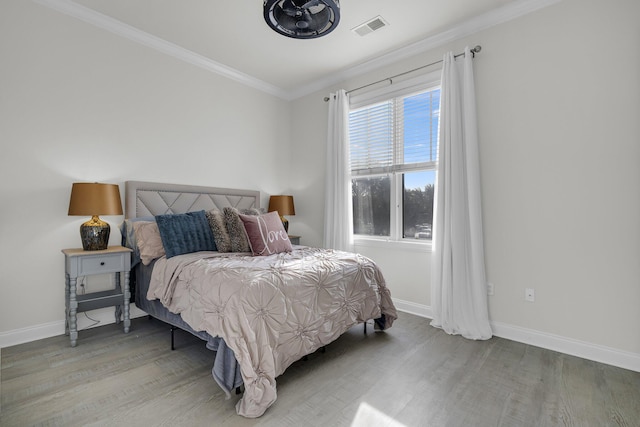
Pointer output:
230, 37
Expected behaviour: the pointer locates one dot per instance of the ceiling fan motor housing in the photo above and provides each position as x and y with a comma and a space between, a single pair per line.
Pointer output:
302, 19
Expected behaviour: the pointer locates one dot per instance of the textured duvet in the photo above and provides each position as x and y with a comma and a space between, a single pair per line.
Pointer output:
272, 310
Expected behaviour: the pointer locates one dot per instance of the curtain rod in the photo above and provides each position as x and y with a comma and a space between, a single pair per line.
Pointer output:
475, 50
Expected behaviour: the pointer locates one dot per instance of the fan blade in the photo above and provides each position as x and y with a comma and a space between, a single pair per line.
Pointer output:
309, 4
317, 21
285, 20
289, 7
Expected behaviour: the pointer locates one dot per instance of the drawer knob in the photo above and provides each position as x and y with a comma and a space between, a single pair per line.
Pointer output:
102, 263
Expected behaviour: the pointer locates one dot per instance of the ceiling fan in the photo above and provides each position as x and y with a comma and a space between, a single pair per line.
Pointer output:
302, 19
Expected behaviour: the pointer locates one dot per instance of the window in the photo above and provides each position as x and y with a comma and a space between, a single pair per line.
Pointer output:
394, 149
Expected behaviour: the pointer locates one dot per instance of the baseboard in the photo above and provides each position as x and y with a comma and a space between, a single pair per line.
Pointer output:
585, 350
413, 308
86, 320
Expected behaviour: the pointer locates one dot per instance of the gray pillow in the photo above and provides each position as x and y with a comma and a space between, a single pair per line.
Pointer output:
253, 211
219, 230
235, 228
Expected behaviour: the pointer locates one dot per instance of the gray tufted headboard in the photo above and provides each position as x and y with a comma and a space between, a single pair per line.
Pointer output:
154, 198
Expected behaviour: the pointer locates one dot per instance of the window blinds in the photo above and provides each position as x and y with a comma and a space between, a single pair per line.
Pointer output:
397, 135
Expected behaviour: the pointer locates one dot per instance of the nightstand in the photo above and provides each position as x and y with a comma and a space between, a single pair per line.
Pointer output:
295, 240
80, 263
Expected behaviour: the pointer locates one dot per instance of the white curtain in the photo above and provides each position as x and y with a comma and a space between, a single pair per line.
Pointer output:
458, 282
338, 211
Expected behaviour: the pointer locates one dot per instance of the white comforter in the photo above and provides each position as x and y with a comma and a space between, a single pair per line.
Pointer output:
272, 310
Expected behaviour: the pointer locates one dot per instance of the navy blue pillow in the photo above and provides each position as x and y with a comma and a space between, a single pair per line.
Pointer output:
185, 233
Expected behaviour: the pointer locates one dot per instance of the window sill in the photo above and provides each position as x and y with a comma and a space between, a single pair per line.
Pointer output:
407, 245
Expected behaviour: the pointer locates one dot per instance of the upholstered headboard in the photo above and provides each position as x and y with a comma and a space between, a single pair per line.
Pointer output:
153, 198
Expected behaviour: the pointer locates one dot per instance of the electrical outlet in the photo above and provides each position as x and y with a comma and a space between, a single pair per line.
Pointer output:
530, 294
490, 288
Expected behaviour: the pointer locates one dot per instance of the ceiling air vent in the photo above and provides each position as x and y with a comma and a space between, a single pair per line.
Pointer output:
370, 26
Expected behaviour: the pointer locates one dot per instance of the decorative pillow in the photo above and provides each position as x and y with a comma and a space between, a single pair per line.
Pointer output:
148, 240
253, 211
129, 236
266, 234
185, 233
237, 235
219, 230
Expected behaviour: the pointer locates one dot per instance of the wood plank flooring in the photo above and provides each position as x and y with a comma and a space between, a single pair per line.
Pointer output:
411, 375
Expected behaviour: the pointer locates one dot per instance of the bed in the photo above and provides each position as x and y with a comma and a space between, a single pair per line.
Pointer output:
259, 309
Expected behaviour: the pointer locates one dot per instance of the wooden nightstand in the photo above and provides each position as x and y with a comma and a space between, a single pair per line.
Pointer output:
79, 263
295, 240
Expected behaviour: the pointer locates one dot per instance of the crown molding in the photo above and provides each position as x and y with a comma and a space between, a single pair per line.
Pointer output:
114, 26
478, 23
472, 26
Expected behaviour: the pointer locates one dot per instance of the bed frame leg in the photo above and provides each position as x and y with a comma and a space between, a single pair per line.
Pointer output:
173, 347
365, 328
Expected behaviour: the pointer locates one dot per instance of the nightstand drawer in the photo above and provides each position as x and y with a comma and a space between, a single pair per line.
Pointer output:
100, 264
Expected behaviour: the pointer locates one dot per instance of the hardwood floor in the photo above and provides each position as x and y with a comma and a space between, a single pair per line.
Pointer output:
412, 375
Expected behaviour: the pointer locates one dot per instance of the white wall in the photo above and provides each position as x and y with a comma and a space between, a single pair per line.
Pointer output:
558, 95
80, 104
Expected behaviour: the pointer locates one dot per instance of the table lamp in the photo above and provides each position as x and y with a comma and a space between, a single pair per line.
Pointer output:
95, 199
284, 206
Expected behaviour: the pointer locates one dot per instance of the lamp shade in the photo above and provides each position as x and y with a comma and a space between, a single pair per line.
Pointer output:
282, 204
95, 199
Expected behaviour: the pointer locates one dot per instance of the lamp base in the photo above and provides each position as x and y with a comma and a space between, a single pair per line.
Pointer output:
285, 223
95, 234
